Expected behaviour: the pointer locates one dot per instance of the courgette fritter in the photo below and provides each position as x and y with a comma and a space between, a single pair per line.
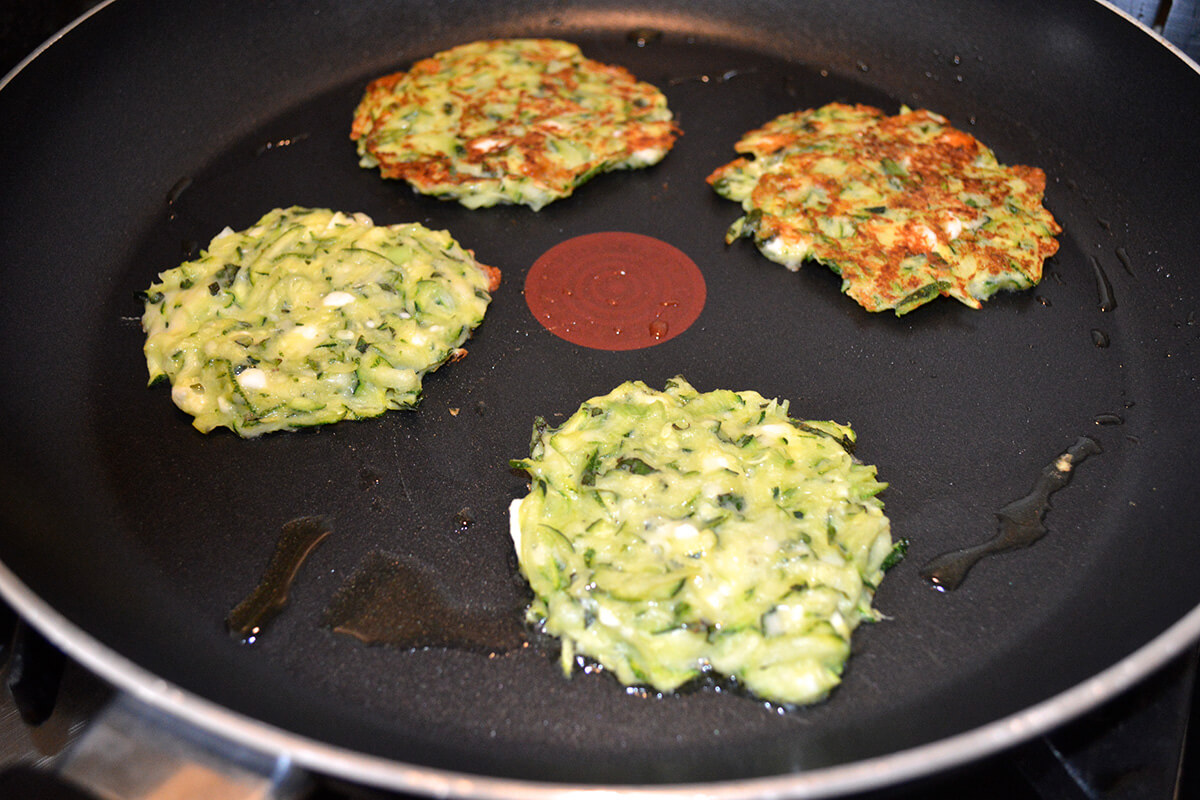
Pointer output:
905, 208
669, 535
510, 121
311, 316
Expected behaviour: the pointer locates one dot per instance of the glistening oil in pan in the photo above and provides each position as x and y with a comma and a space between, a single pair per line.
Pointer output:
1020, 522
297, 540
388, 601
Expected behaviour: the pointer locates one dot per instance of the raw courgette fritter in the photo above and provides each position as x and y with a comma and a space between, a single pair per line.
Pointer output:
309, 317
904, 208
510, 121
671, 534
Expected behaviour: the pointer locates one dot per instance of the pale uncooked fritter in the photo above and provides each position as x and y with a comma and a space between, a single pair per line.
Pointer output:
905, 208
669, 535
309, 317
510, 121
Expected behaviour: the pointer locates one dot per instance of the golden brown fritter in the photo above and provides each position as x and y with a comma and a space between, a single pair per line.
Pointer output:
904, 208
510, 121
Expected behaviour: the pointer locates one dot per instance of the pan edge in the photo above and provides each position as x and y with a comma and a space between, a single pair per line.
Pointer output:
875, 773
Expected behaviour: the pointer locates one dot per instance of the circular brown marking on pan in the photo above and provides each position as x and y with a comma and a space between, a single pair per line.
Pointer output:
615, 291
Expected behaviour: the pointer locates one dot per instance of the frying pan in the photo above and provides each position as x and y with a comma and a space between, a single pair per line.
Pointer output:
128, 536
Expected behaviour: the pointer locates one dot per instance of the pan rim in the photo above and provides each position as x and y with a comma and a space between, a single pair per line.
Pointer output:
1146, 29
1156, 35
868, 774
59, 34
864, 775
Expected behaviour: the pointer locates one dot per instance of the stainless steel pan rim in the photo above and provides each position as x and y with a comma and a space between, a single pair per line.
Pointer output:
875, 773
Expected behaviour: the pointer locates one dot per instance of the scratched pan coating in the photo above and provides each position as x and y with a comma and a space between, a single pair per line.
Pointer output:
129, 536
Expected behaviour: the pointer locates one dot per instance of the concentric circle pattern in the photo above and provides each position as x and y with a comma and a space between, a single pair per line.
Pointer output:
615, 291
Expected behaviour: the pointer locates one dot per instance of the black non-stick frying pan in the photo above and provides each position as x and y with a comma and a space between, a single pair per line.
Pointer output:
128, 536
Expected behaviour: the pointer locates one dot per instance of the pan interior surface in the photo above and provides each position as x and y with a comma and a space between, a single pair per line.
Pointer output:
144, 533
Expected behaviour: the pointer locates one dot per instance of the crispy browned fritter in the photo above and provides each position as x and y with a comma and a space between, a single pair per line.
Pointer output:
904, 208
510, 121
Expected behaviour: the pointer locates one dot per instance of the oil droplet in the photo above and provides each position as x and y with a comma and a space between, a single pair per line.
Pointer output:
266, 147
1020, 522
464, 519
659, 328
1123, 257
389, 602
1099, 338
297, 539
1107, 301
1109, 418
725, 76
1043, 300
367, 479
174, 194
178, 189
644, 36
